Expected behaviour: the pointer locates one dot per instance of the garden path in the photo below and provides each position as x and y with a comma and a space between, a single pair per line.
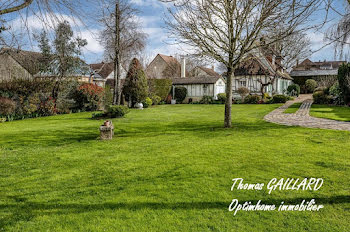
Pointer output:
302, 116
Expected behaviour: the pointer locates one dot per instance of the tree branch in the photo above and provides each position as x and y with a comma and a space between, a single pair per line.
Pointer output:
16, 8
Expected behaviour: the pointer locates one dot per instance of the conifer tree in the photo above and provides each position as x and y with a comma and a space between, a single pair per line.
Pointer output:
136, 87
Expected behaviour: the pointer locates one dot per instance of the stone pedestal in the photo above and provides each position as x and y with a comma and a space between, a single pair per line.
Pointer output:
107, 131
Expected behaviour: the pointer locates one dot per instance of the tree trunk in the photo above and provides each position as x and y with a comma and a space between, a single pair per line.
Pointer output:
262, 87
119, 82
228, 104
117, 94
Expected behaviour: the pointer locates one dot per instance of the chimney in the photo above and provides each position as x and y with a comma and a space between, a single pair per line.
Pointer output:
183, 67
212, 67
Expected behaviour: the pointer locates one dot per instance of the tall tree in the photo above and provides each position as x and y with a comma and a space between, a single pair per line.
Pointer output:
227, 30
122, 37
46, 51
66, 50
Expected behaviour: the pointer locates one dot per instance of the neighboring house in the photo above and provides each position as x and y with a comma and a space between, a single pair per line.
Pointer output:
81, 71
15, 63
163, 67
325, 73
206, 83
197, 87
203, 72
262, 67
103, 74
20, 64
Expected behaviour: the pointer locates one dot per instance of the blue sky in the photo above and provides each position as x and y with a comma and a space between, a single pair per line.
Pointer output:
151, 16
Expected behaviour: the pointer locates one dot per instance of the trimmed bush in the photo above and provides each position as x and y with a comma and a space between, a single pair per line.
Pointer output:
155, 99
310, 85
160, 87
252, 99
206, 100
293, 90
222, 97
7, 106
320, 97
180, 94
148, 102
98, 115
114, 111
279, 99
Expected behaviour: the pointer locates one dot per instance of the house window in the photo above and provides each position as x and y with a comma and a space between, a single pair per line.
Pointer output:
242, 83
205, 90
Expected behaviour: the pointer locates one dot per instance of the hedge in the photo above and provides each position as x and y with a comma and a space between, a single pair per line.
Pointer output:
160, 87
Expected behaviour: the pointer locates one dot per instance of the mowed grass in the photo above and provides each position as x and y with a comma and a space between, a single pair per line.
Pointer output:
293, 108
169, 168
340, 113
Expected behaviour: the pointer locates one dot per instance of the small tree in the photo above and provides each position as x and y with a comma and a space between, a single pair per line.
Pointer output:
136, 88
243, 92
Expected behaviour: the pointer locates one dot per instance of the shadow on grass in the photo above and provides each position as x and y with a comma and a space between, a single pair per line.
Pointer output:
26, 211
74, 134
197, 129
342, 112
51, 138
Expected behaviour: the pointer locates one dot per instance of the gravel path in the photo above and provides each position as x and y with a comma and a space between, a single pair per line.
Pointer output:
302, 117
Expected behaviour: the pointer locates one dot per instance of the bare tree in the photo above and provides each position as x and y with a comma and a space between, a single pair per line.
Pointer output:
227, 30
46, 12
339, 33
294, 48
122, 37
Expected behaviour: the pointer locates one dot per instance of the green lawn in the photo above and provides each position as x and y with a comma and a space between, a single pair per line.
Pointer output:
169, 168
340, 113
293, 108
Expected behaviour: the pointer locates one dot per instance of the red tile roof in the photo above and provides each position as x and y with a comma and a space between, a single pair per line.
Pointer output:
210, 72
169, 59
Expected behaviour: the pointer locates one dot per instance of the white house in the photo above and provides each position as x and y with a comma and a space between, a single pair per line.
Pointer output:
263, 69
200, 86
197, 87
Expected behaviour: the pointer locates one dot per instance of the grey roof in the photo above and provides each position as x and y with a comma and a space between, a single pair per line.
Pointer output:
195, 80
310, 73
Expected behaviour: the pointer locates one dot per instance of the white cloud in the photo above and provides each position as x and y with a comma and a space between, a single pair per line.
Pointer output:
322, 50
46, 21
152, 3
148, 21
93, 44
